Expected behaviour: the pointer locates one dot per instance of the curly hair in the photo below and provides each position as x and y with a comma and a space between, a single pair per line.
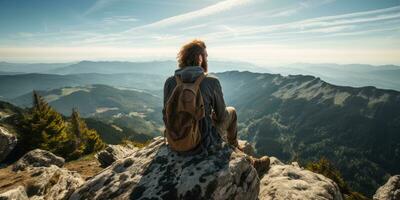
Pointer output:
189, 54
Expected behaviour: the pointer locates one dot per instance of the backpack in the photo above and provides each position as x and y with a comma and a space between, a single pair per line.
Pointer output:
183, 111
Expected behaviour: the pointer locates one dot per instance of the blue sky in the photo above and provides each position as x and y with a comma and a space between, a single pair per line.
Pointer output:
269, 32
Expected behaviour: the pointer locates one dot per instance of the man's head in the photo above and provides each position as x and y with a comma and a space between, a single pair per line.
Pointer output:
193, 54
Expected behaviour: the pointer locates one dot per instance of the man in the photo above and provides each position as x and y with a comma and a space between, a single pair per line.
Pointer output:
219, 120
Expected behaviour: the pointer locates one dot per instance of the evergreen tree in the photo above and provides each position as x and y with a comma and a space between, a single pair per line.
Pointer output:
44, 128
87, 140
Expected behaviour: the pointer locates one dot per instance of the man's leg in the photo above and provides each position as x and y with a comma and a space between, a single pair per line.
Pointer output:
228, 131
228, 128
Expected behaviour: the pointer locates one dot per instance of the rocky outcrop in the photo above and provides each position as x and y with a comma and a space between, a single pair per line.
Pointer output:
53, 183
7, 142
114, 152
38, 158
292, 182
43, 183
246, 147
155, 172
389, 191
17, 193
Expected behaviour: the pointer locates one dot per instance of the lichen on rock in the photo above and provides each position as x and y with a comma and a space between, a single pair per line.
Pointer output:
292, 182
114, 152
38, 158
156, 172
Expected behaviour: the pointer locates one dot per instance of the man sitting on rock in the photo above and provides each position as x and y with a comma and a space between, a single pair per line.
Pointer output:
194, 112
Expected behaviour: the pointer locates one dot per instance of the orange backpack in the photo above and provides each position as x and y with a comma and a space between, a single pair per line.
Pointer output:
183, 112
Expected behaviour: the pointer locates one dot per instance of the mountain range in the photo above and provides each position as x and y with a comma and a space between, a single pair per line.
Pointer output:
135, 109
295, 117
303, 118
356, 75
115, 67
12, 86
126, 74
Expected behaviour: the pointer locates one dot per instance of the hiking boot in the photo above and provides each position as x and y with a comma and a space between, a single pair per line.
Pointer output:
261, 164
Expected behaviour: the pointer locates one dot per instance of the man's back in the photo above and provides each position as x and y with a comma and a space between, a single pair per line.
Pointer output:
210, 89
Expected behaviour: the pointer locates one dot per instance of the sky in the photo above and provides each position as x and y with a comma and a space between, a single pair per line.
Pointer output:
266, 32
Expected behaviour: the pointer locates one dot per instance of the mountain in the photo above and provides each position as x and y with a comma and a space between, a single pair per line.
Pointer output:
356, 75
113, 134
116, 67
30, 68
9, 73
12, 86
134, 109
109, 132
304, 118
150, 67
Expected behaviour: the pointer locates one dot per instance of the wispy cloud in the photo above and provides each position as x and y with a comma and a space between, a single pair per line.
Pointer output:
326, 24
99, 5
203, 12
117, 19
300, 6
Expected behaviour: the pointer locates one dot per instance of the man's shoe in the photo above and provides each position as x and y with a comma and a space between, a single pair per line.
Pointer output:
261, 164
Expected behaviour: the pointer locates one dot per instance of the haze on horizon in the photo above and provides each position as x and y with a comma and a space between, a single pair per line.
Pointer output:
257, 31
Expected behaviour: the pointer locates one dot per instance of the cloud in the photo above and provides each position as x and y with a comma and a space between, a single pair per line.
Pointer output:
203, 12
118, 19
302, 5
150, 29
98, 5
325, 24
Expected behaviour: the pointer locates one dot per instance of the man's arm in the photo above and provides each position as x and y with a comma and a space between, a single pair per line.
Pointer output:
218, 103
167, 91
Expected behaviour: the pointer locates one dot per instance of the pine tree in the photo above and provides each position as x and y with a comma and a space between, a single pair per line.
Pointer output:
87, 140
44, 128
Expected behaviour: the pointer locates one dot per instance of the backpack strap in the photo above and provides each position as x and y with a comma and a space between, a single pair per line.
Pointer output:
196, 84
178, 80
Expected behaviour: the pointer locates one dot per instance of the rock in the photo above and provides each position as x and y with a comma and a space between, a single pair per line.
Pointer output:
114, 152
246, 147
389, 191
156, 172
52, 183
275, 161
7, 142
292, 182
38, 158
17, 193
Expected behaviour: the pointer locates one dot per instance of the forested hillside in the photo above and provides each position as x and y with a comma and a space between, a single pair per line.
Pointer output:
303, 118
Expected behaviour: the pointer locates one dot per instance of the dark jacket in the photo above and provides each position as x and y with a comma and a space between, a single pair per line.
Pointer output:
212, 95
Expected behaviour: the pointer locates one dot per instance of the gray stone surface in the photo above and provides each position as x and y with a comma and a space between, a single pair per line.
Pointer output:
292, 182
52, 183
155, 172
45, 183
114, 152
389, 191
7, 142
38, 158
17, 193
